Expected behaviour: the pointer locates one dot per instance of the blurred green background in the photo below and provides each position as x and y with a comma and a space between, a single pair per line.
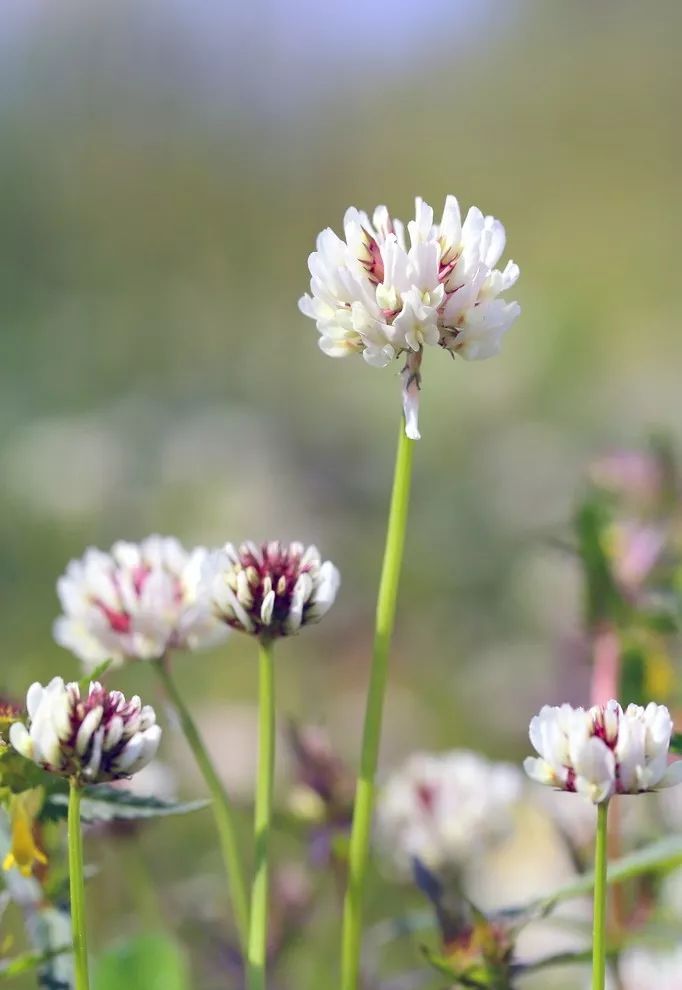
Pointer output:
164, 169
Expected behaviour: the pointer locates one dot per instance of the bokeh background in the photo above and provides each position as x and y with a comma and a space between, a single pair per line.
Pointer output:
165, 166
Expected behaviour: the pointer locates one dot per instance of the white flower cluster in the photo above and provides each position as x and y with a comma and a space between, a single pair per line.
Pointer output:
440, 809
272, 589
96, 738
371, 293
642, 969
135, 602
603, 751
139, 601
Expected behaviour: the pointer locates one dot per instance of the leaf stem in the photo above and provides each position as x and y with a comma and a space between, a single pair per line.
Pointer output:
222, 807
600, 887
77, 886
257, 950
364, 796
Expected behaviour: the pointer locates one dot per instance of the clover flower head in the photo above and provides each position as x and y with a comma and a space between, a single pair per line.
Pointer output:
603, 750
95, 737
440, 810
380, 293
135, 602
269, 590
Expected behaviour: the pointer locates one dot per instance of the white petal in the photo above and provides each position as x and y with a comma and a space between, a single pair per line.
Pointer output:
21, 740
267, 608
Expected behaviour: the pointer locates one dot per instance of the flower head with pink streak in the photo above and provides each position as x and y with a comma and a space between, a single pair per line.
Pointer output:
603, 750
381, 294
95, 737
269, 590
442, 811
136, 602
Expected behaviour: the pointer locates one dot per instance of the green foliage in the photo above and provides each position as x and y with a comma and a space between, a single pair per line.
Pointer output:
147, 962
602, 598
94, 675
114, 804
19, 774
34, 960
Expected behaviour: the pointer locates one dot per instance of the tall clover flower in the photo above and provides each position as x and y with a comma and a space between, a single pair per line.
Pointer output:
267, 591
384, 295
142, 601
89, 737
600, 752
390, 294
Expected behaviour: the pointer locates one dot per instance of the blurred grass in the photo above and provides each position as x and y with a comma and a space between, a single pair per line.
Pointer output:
155, 374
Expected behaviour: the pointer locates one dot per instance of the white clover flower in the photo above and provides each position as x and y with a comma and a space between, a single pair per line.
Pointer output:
441, 809
134, 603
96, 738
643, 969
604, 750
374, 295
269, 590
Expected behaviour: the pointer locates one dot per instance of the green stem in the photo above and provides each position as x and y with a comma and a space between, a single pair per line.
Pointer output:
222, 808
77, 885
599, 931
364, 796
257, 956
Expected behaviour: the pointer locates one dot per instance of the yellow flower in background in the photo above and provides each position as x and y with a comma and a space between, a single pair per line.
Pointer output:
24, 853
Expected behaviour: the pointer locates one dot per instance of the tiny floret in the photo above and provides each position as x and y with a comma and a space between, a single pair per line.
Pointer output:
440, 810
94, 737
603, 750
382, 294
136, 602
269, 590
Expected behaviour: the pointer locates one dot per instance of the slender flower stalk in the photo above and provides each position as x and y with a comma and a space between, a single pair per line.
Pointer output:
77, 886
222, 808
258, 931
599, 924
365, 793
266, 591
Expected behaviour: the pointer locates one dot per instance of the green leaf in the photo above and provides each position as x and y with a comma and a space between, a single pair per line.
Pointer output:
94, 675
440, 963
602, 598
101, 803
28, 961
19, 774
676, 743
659, 857
559, 959
147, 962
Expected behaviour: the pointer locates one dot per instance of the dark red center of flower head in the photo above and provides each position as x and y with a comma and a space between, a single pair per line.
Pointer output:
426, 797
283, 567
110, 701
119, 619
599, 730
